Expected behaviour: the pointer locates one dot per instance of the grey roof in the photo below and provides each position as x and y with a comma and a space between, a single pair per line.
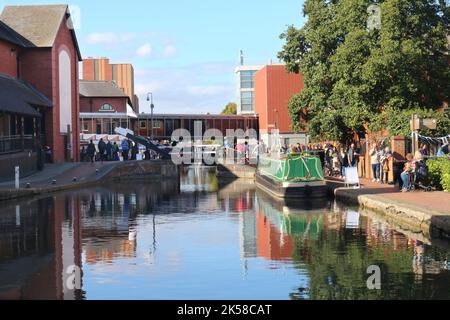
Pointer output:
17, 96
8, 34
99, 89
39, 24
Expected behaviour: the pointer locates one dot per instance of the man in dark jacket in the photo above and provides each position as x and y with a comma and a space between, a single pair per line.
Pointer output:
102, 149
109, 148
91, 151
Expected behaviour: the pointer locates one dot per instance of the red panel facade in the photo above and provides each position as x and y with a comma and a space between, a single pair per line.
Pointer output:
274, 88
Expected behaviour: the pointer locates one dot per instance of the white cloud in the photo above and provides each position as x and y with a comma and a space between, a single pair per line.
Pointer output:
185, 89
170, 51
145, 50
102, 38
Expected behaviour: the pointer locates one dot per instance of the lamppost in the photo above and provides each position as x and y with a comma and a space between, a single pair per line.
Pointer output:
152, 107
277, 115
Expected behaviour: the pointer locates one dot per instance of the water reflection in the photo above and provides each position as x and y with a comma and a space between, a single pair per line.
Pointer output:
205, 241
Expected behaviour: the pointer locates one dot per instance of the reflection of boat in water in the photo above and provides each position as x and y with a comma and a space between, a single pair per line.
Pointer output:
294, 206
292, 177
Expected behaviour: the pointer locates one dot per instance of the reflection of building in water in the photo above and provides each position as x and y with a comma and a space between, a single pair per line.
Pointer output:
273, 243
248, 235
110, 218
38, 244
271, 234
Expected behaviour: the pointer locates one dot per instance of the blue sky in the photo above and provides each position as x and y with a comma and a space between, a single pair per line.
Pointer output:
185, 52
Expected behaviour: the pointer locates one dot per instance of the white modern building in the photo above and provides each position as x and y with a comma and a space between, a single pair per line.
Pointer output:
246, 89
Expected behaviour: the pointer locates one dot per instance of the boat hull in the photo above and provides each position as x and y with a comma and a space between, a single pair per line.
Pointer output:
295, 191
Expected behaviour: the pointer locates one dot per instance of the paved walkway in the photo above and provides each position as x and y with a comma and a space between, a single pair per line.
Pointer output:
63, 174
435, 201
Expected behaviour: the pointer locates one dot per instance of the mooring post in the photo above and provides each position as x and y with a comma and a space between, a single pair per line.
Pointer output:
17, 177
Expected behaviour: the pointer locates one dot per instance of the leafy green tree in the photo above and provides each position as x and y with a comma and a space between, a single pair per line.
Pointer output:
230, 109
356, 79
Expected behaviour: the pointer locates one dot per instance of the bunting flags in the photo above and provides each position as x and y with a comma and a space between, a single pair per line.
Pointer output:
435, 141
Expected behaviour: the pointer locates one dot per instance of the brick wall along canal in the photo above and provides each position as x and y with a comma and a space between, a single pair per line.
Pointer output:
207, 241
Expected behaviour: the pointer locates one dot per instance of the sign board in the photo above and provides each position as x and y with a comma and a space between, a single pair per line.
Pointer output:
430, 124
420, 124
352, 177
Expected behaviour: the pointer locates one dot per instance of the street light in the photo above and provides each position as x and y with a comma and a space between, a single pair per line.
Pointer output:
277, 115
152, 107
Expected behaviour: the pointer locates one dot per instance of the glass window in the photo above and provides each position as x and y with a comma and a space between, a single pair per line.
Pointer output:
106, 108
247, 81
143, 124
157, 124
247, 101
168, 128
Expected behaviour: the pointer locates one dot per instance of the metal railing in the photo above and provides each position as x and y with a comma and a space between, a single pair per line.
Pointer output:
12, 144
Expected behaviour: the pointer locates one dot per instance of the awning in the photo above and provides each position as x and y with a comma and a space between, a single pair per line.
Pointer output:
130, 112
19, 97
103, 115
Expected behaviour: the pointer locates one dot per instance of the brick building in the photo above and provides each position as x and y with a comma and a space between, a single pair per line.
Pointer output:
39, 48
274, 88
104, 107
122, 74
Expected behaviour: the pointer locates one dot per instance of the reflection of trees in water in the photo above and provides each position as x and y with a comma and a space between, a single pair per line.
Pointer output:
336, 258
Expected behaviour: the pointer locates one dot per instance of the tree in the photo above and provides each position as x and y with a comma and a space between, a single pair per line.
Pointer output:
356, 77
230, 109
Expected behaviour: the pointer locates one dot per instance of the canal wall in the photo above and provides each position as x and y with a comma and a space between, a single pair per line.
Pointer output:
87, 175
236, 171
410, 216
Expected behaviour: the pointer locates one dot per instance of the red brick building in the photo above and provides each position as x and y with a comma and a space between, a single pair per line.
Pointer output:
122, 74
45, 55
104, 107
274, 88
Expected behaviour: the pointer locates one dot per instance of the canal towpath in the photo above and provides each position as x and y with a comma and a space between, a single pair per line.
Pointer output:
426, 212
65, 176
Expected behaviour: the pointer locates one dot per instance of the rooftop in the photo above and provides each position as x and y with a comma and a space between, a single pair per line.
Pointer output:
17, 96
99, 89
38, 24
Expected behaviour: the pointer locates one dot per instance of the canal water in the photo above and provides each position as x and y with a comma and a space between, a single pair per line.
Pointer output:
205, 240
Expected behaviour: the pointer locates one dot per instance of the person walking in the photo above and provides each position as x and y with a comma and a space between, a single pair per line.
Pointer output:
375, 161
91, 151
115, 152
353, 156
385, 165
125, 149
343, 162
134, 151
102, 150
109, 151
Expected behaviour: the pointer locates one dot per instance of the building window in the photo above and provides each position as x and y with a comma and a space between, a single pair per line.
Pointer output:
143, 124
247, 101
106, 108
247, 79
157, 124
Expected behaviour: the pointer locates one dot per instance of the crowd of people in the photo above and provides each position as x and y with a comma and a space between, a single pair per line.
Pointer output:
336, 158
125, 150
